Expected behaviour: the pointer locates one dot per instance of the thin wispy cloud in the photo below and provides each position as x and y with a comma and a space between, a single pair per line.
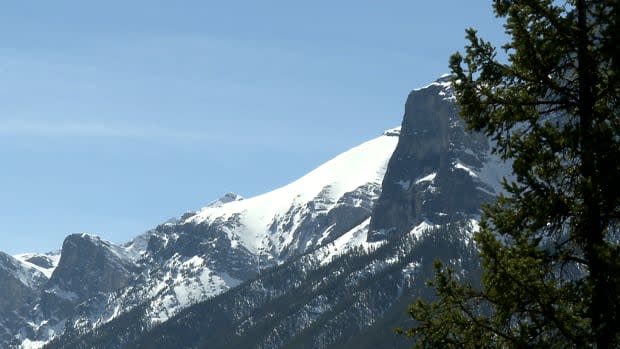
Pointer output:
75, 130
79, 131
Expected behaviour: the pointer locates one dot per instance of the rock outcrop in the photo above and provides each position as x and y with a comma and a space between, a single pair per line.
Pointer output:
434, 174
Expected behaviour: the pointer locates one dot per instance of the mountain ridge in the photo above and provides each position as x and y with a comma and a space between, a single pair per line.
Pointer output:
184, 260
419, 185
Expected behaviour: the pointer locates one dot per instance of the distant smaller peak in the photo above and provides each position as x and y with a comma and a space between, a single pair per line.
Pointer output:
393, 132
228, 197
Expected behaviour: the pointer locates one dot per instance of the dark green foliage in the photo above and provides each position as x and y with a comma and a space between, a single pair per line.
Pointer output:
549, 248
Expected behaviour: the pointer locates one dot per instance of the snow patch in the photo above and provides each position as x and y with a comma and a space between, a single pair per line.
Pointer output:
325, 234
28, 344
427, 178
466, 169
355, 237
421, 228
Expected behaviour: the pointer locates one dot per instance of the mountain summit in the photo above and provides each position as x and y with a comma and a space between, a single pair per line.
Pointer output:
439, 171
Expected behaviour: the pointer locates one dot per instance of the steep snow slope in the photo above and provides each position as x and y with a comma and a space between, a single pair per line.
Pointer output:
362, 165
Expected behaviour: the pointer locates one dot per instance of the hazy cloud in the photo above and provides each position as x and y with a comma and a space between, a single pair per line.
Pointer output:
75, 130
200, 136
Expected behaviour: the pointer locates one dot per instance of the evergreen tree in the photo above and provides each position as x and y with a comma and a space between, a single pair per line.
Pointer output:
549, 248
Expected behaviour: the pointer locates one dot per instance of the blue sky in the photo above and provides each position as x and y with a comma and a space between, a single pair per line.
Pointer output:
116, 115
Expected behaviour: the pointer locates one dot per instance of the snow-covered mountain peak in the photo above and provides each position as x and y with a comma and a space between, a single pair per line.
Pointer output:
253, 218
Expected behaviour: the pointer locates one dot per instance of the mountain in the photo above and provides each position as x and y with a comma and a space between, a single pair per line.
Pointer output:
350, 289
20, 285
352, 300
199, 255
328, 261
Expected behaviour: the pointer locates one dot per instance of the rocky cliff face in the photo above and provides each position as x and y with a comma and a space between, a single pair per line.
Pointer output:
19, 287
439, 172
88, 266
19, 284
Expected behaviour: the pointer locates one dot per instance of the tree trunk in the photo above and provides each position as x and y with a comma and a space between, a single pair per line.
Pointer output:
590, 228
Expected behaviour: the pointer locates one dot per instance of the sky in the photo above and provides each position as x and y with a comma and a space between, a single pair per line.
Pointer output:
117, 115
